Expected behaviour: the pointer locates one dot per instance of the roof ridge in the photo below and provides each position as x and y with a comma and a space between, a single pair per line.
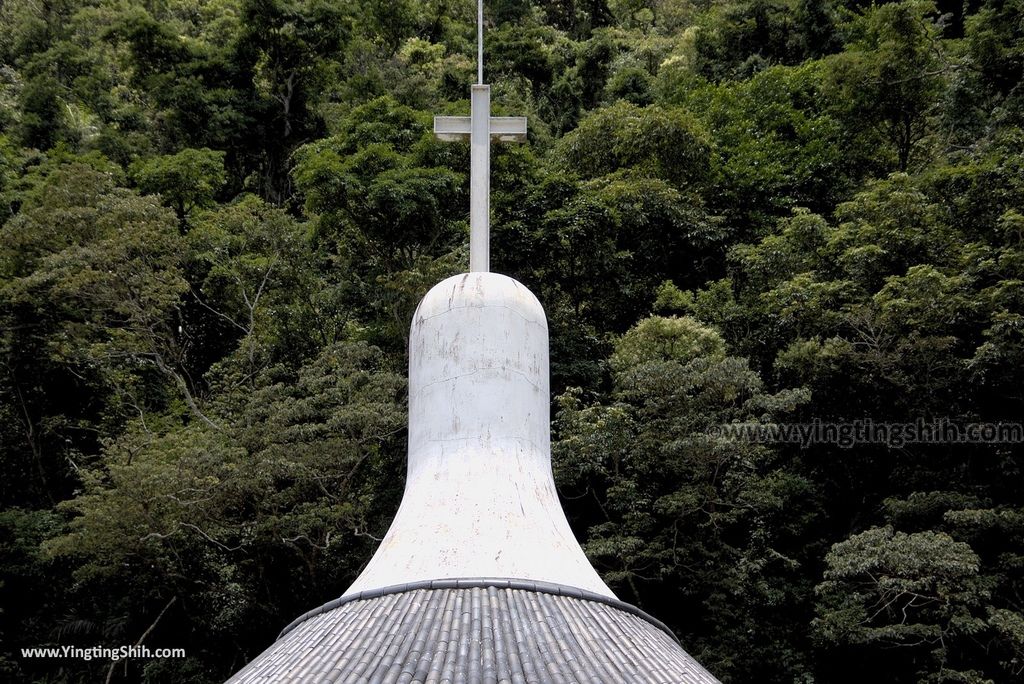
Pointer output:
482, 583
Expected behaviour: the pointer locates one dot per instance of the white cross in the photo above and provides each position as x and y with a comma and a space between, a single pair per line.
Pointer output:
479, 128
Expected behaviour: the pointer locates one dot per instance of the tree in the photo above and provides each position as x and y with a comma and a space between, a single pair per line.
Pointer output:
892, 73
95, 270
778, 140
251, 287
42, 120
302, 470
387, 205
186, 181
918, 591
291, 43
996, 44
661, 143
668, 496
743, 38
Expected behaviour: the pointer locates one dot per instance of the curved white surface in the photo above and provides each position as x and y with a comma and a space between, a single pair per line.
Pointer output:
480, 500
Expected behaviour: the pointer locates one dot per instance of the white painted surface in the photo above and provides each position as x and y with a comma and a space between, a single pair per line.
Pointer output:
480, 500
480, 178
459, 128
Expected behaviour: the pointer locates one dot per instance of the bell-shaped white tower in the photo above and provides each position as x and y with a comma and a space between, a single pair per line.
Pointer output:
480, 500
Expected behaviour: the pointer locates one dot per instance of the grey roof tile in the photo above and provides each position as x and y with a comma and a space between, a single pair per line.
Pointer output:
472, 632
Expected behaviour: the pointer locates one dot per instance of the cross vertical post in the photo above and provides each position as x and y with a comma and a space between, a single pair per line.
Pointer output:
480, 179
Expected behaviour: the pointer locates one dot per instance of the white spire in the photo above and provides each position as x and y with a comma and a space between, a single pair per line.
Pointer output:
480, 499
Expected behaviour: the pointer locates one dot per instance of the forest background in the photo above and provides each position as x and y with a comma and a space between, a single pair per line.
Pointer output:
218, 217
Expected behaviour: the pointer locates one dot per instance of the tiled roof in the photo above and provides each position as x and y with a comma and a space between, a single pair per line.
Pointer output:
484, 634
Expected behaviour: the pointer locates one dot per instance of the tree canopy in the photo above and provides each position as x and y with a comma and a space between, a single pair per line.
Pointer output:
217, 218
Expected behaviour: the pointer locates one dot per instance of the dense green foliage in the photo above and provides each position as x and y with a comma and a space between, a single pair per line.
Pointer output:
217, 216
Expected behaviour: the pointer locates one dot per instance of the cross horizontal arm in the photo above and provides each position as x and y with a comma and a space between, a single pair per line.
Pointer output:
452, 128
508, 128
504, 128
